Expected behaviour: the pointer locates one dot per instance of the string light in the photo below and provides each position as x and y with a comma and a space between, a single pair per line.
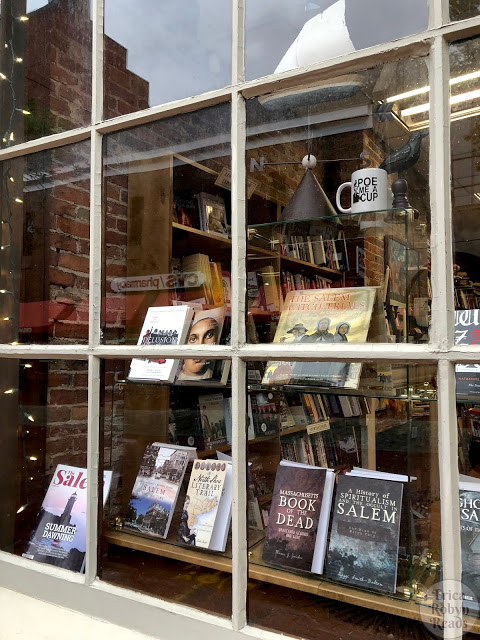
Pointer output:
11, 178
19, 200
31, 418
4, 246
27, 365
14, 343
24, 111
23, 18
18, 59
22, 508
32, 458
10, 391
8, 318
5, 291
3, 76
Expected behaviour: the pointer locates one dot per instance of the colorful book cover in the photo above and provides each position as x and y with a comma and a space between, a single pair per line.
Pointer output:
265, 414
201, 503
59, 537
156, 489
467, 331
470, 539
212, 415
206, 329
363, 548
162, 326
294, 516
316, 316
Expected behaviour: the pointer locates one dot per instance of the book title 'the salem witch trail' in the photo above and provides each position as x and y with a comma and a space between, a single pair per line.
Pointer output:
363, 547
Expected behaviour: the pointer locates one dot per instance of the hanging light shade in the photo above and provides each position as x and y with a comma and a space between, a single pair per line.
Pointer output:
309, 201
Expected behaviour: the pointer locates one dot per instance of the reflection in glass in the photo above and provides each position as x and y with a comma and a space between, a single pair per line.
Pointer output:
45, 246
44, 443
461, 9
343, 497
338, 209
167, 531
45, 68
285, 35
157, 52
162, 247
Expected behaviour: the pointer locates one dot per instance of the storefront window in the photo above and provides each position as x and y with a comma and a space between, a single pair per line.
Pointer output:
43, 404
157, 52
45, 68
461, 9
45, 246
284, 35
167, 526
338, 201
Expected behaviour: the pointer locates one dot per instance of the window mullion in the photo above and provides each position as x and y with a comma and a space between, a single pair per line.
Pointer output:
439, 13
97, 60
238, 41
93, 444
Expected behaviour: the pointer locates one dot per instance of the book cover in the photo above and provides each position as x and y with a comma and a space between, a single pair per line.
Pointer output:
162, 326
212, 415
467, 331
59, 537
206, 328
363, 548
294, 516
265, 415
469, 497
322, 315
156, 488
201, 503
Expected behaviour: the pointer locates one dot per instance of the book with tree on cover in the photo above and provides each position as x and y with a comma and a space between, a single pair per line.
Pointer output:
162, 326
202, 503
322, 315
364, 538
296, 535
156, 488
59, 537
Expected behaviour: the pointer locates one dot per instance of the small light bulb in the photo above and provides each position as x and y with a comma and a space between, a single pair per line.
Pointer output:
11, 179
18, 59
33, 458
3, 76
4, 246
11, 138
28, 365
22, 508
23, 18
14, 343
19, 200
32, 419
26, 112
7, 318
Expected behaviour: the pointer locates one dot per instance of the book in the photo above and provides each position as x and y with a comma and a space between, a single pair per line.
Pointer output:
59, 537
297, 528
156, 488
467, 331
212, 415
265, 415
206, 328
364, 538
202, 503
322, 315
469, 502
197, 278
162, 326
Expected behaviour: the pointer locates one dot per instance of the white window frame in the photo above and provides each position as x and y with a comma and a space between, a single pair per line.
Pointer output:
167, 620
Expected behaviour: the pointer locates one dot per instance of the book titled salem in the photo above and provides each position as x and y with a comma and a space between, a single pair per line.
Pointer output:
156, 489
162, 326
467, 331
59, 537
470, 539
208, 506
363, 548
296, 535
322, 315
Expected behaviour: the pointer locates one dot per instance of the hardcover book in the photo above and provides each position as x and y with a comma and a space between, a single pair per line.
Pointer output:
298, 521
322, 315
59, 538
363, 548
212, 415
265, 415
155, 492
202, 503
162, 326
467, 331
470, 538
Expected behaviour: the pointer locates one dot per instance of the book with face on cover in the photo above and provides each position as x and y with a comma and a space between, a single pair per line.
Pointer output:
59, 537
322, 316
296, 535
156, 488
364, 538
162, 326
202, 505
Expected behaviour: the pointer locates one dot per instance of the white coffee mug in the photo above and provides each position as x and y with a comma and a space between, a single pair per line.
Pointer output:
369, 191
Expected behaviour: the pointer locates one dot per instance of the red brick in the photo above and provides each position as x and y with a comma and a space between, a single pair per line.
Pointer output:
60, 379
79, 413
67, 396
71, 330
62, 241
73, 262
63, 76
58, 414
72, 194
60, 277
115, 238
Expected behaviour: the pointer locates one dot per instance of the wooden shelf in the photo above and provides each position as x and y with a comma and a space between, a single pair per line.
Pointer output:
258, 571
294, 262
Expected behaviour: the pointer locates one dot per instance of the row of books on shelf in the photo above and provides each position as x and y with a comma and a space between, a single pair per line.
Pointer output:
321, 250
467, 292
204, 281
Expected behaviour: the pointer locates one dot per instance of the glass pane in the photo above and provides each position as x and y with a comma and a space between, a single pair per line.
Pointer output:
344, 504
287, 34
44, 458
461, 9
45, 68
157, 52
167, 527
45, 246
317, 248
167, 239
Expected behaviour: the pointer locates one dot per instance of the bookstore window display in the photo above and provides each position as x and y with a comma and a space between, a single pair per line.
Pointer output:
167, 518
358, 265
461, 9
344, 487
44, 457
168, 243
45, 246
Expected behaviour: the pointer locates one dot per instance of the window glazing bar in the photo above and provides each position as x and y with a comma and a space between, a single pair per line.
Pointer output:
238, 41
93, 444
97, 60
